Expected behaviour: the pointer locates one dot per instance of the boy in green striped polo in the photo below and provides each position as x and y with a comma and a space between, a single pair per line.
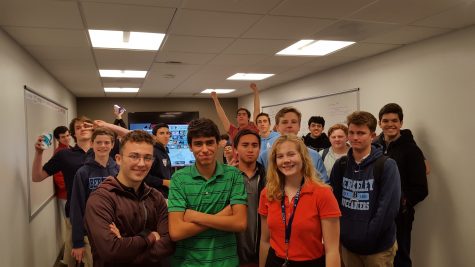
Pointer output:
207, 203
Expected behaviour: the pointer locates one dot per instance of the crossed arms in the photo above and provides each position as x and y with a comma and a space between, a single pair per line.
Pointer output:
182, 225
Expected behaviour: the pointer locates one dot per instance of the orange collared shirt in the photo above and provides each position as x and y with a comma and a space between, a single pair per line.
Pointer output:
316, 202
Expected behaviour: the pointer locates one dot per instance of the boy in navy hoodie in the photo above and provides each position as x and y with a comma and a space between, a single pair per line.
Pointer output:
368, 196
95, 170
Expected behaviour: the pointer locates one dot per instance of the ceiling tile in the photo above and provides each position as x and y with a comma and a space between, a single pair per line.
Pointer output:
295, 73
70, 65
328, 62
257, 46
160, 3
122, 82
194, 44
186, 58
281, 27
457, 17
167, 76
405, 35
347, 30
237, 60
50, 14
213, 24
66, 53
268, 68
402, 11
360, 50
285, 61
176, 94
311, 67
123, 59
319, 8
81, 82
206, 77
102, 16
243, 6
48, 37
216, 38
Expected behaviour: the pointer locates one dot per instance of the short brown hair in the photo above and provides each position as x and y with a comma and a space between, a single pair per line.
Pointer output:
72, 131
281, 113
362, 118
103, 131
338, 126
136, 136
263, 114
246, 110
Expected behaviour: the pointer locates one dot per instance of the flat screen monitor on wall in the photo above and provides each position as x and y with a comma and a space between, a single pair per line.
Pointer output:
180, 154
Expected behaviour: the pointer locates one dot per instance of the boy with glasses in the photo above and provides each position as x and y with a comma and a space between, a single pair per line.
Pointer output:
126, 220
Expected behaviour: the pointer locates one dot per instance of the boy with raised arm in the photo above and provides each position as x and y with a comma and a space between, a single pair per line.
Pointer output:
68, 161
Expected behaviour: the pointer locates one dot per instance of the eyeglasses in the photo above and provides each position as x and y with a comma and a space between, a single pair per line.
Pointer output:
135, 158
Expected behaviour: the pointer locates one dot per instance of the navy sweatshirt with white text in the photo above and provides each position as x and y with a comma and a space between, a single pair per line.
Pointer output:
86, 180
368, 207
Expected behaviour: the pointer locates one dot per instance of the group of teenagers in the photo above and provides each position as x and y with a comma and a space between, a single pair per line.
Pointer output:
275, 203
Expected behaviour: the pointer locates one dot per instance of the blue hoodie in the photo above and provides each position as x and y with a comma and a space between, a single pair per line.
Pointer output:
368, 207
86, 180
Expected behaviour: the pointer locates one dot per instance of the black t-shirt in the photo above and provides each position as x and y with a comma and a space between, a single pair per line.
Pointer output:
319, 143
68, 161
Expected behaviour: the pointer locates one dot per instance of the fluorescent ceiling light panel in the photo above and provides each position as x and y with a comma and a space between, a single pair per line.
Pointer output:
314, 48
120, 90
123, 73
250, 76
126, 40
218, 91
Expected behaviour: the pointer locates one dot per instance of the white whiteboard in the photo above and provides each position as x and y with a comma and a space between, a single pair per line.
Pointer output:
332, 107
42, 116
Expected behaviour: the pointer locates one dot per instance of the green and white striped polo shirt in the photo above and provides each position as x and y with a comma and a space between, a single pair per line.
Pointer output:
189, 190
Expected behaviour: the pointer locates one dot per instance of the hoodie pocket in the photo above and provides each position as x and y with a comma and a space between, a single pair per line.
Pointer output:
354, 231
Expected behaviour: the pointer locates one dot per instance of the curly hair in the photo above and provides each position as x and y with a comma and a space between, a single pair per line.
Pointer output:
276, 179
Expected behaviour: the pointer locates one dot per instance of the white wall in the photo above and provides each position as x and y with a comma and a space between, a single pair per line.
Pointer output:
24, 243
434, 82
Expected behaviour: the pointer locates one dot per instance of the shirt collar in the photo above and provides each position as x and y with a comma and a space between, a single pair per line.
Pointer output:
254, 175
217, 172
308, 187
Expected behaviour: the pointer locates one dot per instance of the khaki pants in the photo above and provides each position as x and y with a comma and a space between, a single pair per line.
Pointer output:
68, 246
381, 259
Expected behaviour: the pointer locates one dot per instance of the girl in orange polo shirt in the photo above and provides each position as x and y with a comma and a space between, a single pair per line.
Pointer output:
297, 211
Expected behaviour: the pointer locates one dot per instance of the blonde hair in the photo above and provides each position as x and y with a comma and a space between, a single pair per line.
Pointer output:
275, 178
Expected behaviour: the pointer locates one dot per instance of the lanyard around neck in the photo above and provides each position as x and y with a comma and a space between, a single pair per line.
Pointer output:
288, 227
